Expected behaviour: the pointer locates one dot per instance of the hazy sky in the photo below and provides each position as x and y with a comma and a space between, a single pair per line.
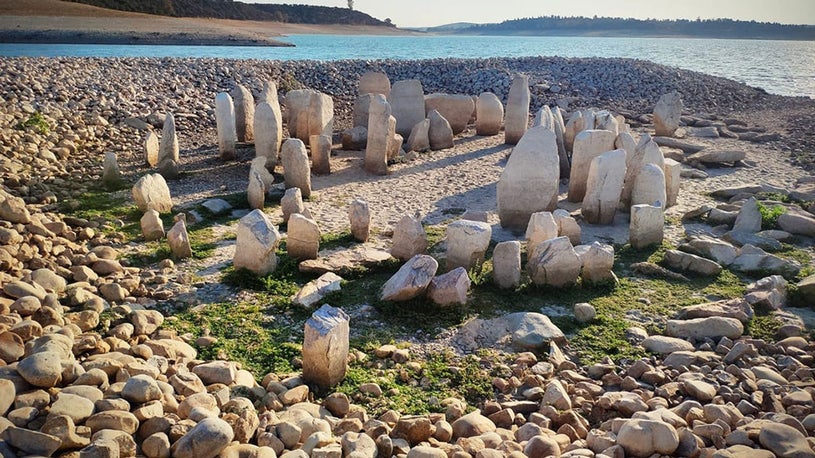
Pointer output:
420, 13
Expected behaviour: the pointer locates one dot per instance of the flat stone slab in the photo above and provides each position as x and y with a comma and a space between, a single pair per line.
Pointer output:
345, 260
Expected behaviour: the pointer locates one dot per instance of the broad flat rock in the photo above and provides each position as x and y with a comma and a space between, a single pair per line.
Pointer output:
346, 259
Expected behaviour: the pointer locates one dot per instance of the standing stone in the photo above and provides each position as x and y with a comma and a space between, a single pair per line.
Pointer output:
604, 187
440, 134
647, 226
355, 139
587, 145
374, 83
179, 240
256, 190
291, 203
649, 187
450, 288
151, 147
529, 182
506, 264
379, 136
303, 241
646, 152
225, 124
362, 107
320, 154
395, 141
152, 228
489, 114
360, 216
267, 136
573, 127
544, 118
467, 242
419, 139
409, 238
258, 165
749, 218
560, 134
320, 116
597, 260
168, 151
297, 104
111, 175
626, 142
456, 109
325, 346
673, 175
554, 263
256, 244
604, 120
517, 115
152, 192
542, 226
296, 171
407, 104
244, 113
269, 96
567, 226
411, 280
667, 114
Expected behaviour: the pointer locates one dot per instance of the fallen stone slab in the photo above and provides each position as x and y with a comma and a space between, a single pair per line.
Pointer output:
712, 156
733, 308
314, 291
688, 148
345, 260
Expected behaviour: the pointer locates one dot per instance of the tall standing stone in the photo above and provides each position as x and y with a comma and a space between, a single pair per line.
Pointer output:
604, 120
467, 242
151, 147
296, 171
256, 244
359, 215
268, 137
409, 238
440, 134
244, 113
419, 139
325, 346
111, 175
374, 83
573, 127
407, 105
379, 136
649, 187
303, 241
560, 134
554, 263
256, 190
673, 177
178, 239
646, 152
587, 145
270, 96
456, 109
517, 114
152, 192
604, 187
225, 124
667, 114
529, 182
320, 154
320, 115
297, 104
506, 264
647, 226
489, 114
168, 152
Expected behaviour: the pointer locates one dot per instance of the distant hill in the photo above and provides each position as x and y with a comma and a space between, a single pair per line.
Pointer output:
446, 28
618, 27
229, 9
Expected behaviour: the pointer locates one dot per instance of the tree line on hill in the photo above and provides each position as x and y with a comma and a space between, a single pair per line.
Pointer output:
708, 28
229, 9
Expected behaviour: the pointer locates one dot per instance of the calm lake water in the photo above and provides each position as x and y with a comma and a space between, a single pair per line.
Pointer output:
780, 67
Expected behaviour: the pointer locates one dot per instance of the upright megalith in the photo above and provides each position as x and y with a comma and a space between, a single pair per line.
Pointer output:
440, 133
575, 125
605, 120
225, 124
303, 237
379, 136
256, 244
168, 151
489, 114
325, 346
152, 192
467, 242
178, 239
419, 139
604, 187
529, 182
597, 260
244, 113
517, 114
270, 96
554, 262
111, 175
151, 148
587, 145
359, 214
409, 238
506, 264
362, 107
673, 178
297, 105
320, 115
560, 134
407, 104
667, 114
646, 152
647, 226
320, 154
374, 83
291, 203
542, 226
456, 109
650, 187
268, 136
296, 170
152, 228
256, 190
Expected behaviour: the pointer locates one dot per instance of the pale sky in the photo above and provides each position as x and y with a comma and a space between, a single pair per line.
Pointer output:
423, 13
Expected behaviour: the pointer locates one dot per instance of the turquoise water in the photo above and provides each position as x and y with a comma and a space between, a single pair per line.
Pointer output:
780, 67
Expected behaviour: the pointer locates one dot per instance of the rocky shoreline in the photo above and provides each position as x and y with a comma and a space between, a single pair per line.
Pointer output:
133, 38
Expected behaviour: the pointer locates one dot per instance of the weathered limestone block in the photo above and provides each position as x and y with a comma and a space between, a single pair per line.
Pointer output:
244, 113
673, 177
267, 136
151, 148
360, 216
646, 152
467, 242
256, 190
296, 170
530, 180
374, 83
291, 203
517, 113
313, 292
587, 145
419, 139
409, 238
297, 104
152, 228
179, 240
542, 226
560, 133
567, 226
489, 114
320, 154
111, 175
355, 139
597, 260
647, 226
450, 288
604, 120
303, 241
604, 187
440, 134
456, 109
395, 142
554, 263
407, 105
749, 217
256, 244
650, 186
325, 346
362, 106
225, 125
320, 116
506, 264
152, 192
379, 136
573, 127
411, 280
667, 114
168, 151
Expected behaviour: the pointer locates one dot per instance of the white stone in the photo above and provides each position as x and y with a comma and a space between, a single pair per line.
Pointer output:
320, 116
646, 152
604, 120
314, 291
647, 226
604, 185
587, 145
179, 240
291, 203
411, 280
643, 438
542, 226
111, 175
320, 154
489, 114
267, 136
409, 238
394, 142
554, 263
296, 170
256, 190
374, 83
168, 151
303, 237
419, 139
673, 177
379, 136
440, 133
225, 125
456, 109
667, 114
244, 113
530, 180
152, 228
256, 244
407, 105
152, 192
151, 147
705, 328
625, 141
506, 264
360, 216
649, 189
567, 226
269, 96
573, 127
450, 288
297, 104
362, 106
467, 242
517, 112
560, 134
584, 312
355, 139
325, 346
749, 217
598, 261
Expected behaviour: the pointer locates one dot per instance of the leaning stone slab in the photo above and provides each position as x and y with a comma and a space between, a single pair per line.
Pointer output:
346, 260
517, 112
407, 103
411, 280
314, 291
225, 125
686, 147
749, 217
325, 346
456, 109
691, 263
712, 248
152, 192
256, 244
489, 114
755, 260
450, 288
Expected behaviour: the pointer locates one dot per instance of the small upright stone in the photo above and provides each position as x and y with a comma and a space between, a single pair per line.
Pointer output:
567, 226
587, 145
646, 151
152, 192
749, 217
360, 216
151, 147
111, 175
325, 346
256, 244
517, 114
467, 242
673, 171
647, 226
604, 186
542, 226
379, 136
667, 114
320, 154
179, 240
407, 103
267, 136
168, 151
152, 228
489, 114
409, 239
555, 263
256, 190
296, 171
225, 124
506, 264
244, 113
440, 134
303, 241
291, 203
649, 188
597, 260
450, 288
419, 139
